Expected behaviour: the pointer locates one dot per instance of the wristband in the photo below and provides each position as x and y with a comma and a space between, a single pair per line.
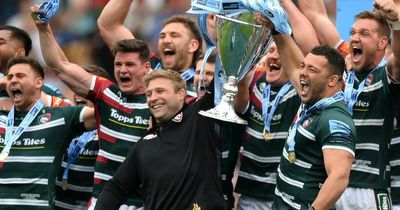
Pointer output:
394, 25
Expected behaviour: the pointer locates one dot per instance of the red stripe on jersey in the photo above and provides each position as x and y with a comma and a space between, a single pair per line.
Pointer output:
96, 181
111, 102
101, 159
106, 137
2, 130
1, 164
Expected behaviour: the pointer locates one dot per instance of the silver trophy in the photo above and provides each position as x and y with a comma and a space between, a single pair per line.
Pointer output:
240, 43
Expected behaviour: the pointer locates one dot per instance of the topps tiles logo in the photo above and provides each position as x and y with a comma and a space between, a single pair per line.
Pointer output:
130, 120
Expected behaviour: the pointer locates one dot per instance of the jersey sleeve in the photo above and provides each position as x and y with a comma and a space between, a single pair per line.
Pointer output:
74, 118
337, 131
97, 86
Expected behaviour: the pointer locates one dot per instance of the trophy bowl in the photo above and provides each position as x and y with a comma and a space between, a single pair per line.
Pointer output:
240, 45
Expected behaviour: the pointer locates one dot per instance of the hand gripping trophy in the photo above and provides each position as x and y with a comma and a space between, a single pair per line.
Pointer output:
240, 44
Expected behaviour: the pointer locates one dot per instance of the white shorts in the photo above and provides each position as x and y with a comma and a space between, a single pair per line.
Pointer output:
93, 200
363, 199
248, 203
396, 207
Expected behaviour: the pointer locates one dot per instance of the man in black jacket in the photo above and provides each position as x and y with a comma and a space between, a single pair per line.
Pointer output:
177, 162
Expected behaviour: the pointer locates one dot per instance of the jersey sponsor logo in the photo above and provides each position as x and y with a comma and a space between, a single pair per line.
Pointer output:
361, 105
44, 118
336, 126
383, 201
29, 196
178, 117
361, 163
257, 116
26, 142
136, 119
277, 117
89, 152
150, 136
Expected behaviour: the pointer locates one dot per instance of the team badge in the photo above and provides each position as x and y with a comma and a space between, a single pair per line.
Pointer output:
307, 122
178, 117
44, 118
369, 80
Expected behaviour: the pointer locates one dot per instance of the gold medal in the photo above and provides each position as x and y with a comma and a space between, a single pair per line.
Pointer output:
292, 157
64, 185
267, 135
3, 156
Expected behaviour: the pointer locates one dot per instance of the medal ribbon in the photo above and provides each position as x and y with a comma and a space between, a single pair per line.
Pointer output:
188, 74
321, 104
267, 116
11, 136
350, 94
75, 148
47, 10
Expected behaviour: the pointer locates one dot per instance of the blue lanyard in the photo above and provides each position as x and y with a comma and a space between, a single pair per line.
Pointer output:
76, 146
267, 116
321, 104
350, 94
11, 136
186, 75
218, 81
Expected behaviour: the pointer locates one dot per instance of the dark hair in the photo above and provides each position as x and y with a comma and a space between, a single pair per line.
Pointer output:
195, 32
97, 70
134, 46
383, 26
27, 60
21, 36
211, 58
336, 63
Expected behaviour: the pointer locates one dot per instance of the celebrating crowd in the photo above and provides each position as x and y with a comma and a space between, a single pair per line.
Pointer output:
323, 115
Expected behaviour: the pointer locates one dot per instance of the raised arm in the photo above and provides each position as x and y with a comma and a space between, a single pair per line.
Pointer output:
111, 22
289, 52
315, 12
291, 58
391, 10
243, 96
303, 31
74, 76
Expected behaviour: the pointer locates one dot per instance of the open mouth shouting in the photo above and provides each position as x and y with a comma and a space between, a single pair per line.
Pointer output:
168, 57
357, 53
16, 94
305, 87
274, 67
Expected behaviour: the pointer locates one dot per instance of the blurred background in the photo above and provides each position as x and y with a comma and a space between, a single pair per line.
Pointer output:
76, 30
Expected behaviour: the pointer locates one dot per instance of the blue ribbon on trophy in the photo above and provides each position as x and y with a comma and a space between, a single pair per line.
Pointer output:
47, 10
270, 9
